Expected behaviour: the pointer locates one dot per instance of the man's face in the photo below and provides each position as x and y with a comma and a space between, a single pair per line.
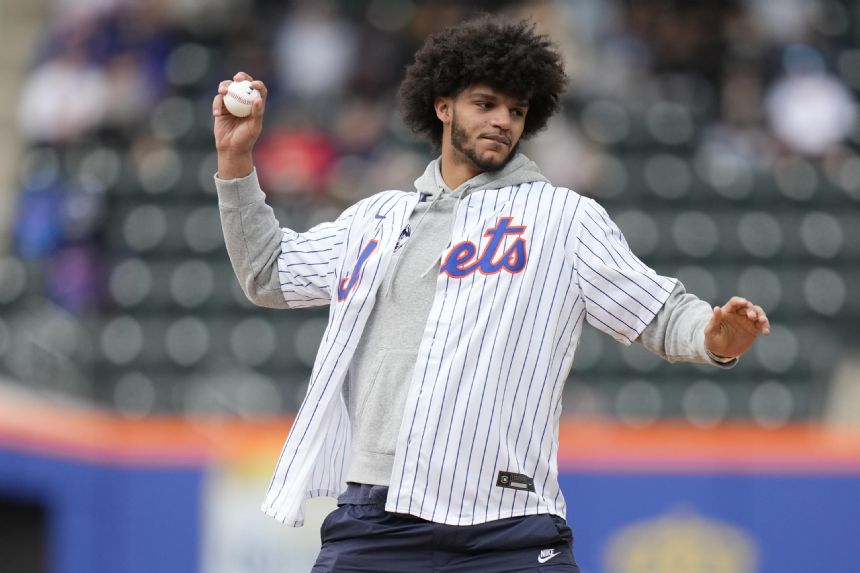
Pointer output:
486, 126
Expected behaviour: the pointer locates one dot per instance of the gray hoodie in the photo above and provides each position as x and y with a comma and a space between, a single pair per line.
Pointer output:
382, 366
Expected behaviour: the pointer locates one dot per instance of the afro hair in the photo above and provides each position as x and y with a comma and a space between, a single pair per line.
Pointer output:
509, 57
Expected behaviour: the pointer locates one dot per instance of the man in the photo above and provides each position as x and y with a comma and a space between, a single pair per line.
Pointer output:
455, 310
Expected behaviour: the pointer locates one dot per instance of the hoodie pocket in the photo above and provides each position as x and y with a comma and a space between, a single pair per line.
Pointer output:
380, 408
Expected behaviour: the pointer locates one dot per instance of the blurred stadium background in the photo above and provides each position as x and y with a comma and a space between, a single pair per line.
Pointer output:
143, 400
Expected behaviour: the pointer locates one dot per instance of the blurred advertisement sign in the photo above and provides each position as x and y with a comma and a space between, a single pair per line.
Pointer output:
681, 541
239, 538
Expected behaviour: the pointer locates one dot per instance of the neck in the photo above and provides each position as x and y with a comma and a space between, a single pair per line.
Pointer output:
456, 169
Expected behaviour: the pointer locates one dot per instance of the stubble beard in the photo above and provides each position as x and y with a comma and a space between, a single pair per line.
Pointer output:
460, 142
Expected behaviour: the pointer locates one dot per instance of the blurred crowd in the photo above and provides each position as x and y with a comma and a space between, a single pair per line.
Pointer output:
766, 80
746, 87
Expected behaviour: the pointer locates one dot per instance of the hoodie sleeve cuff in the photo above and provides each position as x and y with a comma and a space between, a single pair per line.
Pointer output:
721, 361
236, 193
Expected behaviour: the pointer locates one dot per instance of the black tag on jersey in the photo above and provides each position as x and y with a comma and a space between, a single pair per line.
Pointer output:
515, 481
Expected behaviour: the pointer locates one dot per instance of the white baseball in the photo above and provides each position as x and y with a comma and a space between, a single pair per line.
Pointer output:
240, 96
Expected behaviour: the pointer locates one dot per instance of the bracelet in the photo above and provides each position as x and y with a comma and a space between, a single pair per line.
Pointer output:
720, 359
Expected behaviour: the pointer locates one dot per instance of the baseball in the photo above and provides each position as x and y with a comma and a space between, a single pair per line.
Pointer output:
240, 96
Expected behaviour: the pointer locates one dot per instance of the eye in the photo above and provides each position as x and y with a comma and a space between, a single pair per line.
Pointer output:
484, 104
518, 112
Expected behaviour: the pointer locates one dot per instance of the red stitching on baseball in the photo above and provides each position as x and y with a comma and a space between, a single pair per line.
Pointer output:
240, 99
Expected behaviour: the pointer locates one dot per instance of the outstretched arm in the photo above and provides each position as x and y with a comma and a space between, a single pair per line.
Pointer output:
678, 331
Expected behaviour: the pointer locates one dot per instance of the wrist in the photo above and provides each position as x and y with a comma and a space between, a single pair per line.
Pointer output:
234, 165
719, 358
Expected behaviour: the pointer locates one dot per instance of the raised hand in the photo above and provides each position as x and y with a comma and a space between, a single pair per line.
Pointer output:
734, 327
235, 136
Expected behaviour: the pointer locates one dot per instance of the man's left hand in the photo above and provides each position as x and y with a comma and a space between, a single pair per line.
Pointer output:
734, 327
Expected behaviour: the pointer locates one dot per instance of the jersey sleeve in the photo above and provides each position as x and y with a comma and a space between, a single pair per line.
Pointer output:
308, 260
277, 267
621, 293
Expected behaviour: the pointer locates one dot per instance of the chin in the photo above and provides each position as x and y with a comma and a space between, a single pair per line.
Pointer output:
492, 161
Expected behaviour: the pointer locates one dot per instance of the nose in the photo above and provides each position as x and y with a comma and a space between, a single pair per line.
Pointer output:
501, 119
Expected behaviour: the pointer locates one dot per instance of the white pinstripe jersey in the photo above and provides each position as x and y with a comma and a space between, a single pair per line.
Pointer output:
485, 394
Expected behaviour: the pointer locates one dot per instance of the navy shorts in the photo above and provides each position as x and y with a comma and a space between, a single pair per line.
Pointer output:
361, 537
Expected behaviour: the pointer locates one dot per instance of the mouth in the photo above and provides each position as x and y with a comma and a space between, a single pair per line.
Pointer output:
498, 139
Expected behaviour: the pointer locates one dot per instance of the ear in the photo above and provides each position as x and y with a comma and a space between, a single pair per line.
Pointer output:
444, 107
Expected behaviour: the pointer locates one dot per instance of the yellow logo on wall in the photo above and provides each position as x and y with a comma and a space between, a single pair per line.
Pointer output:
681, 542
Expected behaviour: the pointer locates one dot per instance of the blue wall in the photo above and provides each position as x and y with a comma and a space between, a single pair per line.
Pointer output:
795, 523
111, 518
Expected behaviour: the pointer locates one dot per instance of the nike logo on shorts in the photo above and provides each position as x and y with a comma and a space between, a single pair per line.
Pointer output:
547, 554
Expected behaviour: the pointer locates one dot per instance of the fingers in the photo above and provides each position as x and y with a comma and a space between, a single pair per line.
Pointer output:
740, 305
736, 303
762, 321
218, 105
259, 106
240, 77
713, 325
260, 87
257, 109
256, 84
752, 312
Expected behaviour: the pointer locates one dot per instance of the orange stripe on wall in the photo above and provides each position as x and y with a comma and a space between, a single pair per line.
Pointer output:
676, 446
89, 434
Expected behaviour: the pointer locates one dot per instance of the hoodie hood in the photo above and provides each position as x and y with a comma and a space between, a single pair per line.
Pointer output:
518, 170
